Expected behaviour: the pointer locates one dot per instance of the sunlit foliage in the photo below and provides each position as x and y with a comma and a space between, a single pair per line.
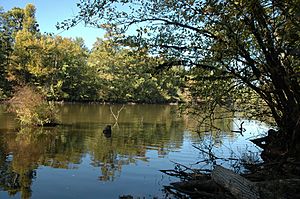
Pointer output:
31, 108
252, 45
65, 70
127, 74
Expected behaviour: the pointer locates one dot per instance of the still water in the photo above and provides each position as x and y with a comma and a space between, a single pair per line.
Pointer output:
76, 160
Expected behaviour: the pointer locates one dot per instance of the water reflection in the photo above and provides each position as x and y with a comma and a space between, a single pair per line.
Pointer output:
140, 130
18, 170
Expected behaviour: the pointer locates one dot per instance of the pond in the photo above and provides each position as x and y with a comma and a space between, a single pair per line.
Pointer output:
76, 160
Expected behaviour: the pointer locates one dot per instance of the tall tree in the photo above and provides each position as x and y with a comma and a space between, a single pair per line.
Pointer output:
22, 28
13, 20
254, 44
55, 64
126, 73
4, 51
29, 21
10, 23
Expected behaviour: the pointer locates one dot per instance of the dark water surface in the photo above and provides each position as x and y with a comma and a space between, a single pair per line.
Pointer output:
76, 160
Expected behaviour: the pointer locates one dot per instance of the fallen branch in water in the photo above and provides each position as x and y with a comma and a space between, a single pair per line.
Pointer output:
237, 185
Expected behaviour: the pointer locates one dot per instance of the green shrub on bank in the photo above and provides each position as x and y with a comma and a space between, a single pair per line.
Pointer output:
32, 108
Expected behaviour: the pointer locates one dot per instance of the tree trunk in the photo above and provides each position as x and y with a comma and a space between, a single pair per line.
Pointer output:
238, 186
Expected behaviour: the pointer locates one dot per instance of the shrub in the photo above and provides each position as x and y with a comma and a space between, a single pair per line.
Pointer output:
32, 108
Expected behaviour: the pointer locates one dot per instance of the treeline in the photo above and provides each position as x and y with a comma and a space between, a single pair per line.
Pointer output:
64, 69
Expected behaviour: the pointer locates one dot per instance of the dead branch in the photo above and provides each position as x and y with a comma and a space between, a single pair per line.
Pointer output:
118, 112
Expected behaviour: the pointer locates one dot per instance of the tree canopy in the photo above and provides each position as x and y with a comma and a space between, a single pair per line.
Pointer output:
251, 44
117, 63
65, 69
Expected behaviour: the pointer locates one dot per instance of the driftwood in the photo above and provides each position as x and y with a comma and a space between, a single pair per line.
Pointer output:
223, 183
237, 185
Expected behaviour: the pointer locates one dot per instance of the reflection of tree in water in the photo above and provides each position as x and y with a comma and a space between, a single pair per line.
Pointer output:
14, 178
14, 182
7, 177
32, 147
139, 130
218, 125
130, 142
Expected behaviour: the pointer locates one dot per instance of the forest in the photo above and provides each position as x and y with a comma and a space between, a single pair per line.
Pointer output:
242, 56
213, 52
64, 69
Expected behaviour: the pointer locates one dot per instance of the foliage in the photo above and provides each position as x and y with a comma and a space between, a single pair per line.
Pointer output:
12, 22
5, 49
126, 73
64, 69
253, 45
55, 64
32, 108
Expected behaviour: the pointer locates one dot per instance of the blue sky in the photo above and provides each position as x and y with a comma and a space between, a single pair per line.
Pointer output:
49, 12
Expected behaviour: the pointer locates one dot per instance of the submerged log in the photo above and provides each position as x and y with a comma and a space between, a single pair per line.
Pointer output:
238, 186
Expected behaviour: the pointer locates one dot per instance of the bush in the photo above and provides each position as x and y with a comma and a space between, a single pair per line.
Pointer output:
32, 108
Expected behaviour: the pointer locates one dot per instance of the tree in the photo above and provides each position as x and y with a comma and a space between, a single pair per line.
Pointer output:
8, 25
3, 56
68, 77
126, 73
56, 65
29, 22
251, 44
21, 27
12, 21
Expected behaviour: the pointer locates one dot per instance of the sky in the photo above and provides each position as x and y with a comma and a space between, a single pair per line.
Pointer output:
49, 12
